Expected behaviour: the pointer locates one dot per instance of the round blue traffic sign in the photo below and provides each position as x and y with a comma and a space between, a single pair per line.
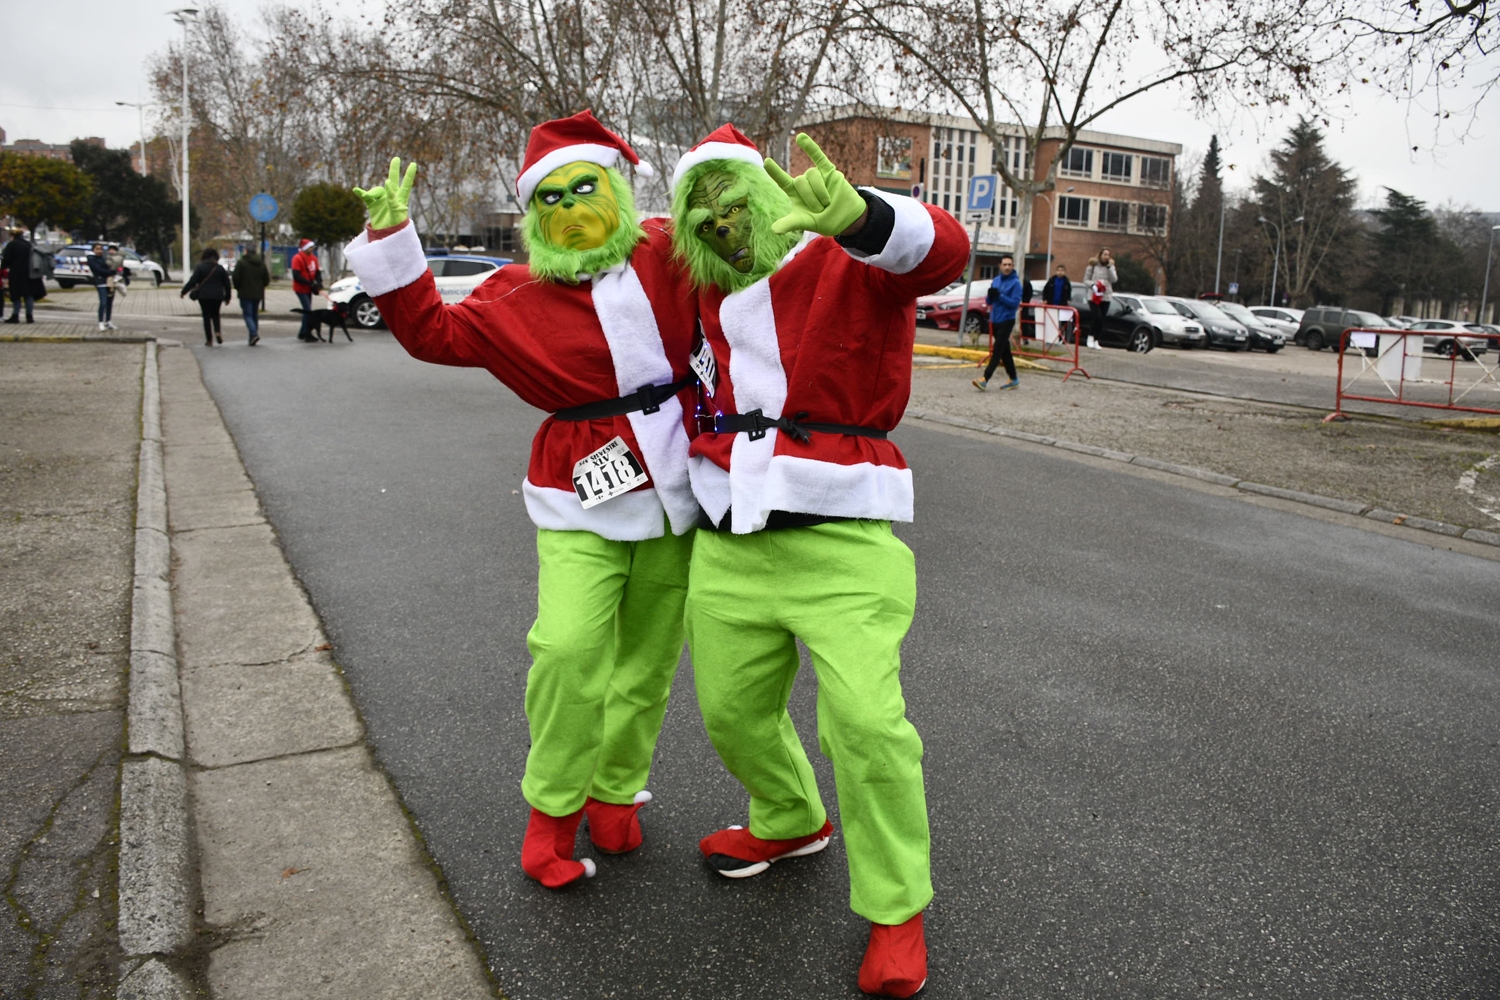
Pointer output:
263, 208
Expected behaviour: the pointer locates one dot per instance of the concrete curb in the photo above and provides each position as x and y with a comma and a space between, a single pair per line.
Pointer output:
1243, 485
155, 873
969, 354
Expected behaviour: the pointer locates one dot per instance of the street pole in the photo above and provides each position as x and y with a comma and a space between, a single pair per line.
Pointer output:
1276, 259
1489, 255
182, 16
1219, 260
963, 317
141, 111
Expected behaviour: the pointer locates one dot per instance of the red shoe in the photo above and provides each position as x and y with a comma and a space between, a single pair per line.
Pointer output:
615, 829
895, 962
547, 851
736, 853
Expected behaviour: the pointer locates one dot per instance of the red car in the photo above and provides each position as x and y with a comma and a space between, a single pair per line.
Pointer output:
941, 309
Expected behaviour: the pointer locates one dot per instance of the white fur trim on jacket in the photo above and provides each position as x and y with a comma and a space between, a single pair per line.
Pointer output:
710, 486
630, 517
910, 240
387, 264
635, 347
810, 486
716, 151
583, 152
749, 324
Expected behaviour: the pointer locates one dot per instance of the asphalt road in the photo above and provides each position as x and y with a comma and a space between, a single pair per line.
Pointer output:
1176, 744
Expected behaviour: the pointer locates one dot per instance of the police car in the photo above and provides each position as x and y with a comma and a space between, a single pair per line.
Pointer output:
70, 266
456, 275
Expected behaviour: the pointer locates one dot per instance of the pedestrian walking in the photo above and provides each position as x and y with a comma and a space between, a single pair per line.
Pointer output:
1004, 298
15, 259
99, 275
1058, 291
1100, 277
307, 281
251, 276
209, 287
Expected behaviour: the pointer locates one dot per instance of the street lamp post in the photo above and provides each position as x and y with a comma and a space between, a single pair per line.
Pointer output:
184, 15
1489, 255
141, 110
1219, 258
1276, 259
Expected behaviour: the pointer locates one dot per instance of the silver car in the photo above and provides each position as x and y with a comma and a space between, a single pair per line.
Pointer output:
1448, 337
1279, 318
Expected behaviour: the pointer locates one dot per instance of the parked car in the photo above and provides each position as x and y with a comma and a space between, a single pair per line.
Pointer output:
1262, 334
69, 266
1448, 337
1490, 331
1221, 329
1322, 326
1281, 318
456, 275
941, 309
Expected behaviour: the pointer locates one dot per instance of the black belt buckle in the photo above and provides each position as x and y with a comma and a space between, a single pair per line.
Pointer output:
758, 430
648, 399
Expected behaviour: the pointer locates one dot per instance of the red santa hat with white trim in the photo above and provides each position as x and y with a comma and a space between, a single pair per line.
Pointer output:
724, 143
579, 139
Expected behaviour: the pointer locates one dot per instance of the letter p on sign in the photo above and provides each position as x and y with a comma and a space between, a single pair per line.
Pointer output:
982, 192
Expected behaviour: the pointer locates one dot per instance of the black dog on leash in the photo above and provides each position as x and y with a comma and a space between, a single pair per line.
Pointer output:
333, 318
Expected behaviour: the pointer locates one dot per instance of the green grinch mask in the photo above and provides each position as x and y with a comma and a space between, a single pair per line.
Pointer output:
723, 211
581, 220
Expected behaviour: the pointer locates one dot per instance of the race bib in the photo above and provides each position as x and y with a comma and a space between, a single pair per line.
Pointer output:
606, 473
701, 361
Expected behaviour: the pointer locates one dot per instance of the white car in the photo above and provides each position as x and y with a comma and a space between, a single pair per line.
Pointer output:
456, 276
1279, 318
69, 267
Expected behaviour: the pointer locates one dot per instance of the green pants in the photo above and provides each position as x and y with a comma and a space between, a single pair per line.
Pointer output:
847, 590
604, 648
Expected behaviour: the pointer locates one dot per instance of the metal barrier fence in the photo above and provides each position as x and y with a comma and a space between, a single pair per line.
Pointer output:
1055, 334
1392, 360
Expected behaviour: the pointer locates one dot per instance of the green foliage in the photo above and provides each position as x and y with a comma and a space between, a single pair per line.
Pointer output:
36, 189
327, 214
1133, 276
124, 204
1318, 253
554, 263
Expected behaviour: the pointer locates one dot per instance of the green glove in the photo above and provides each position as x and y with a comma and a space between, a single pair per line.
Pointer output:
822, 199
387, 203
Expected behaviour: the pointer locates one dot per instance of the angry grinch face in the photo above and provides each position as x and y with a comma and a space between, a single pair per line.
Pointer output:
728, 230
576, 207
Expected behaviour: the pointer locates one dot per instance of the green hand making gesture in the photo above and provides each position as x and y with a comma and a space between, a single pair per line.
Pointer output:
388, 202
823, 200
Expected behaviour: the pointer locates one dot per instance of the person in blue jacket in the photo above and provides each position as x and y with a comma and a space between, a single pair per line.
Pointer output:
1004, 298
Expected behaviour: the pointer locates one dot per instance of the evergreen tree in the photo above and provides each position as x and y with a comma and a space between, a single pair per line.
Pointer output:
124, 204
1404, 251
1320, 252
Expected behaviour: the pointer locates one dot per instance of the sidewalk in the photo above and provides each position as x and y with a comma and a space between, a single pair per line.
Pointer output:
260, 850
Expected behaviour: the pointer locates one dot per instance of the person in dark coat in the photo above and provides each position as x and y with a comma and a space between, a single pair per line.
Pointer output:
1058, 291
251, 276
16, 260
209, 285
99, 274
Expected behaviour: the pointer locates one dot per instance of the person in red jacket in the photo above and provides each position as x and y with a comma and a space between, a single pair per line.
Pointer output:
597, 330
307, 281
807, 295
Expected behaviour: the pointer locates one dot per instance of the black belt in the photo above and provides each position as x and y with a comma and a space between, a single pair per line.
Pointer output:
756, 423
647, 399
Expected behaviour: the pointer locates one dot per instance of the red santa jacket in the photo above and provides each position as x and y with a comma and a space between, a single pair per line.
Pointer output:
558, 346
305, 269
829, 335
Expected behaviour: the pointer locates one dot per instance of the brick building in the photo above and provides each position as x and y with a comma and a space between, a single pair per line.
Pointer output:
1113, 191
50, 150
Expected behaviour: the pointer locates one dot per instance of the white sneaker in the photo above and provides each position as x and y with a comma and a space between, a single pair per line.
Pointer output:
104, 326
110, 326
1094, 344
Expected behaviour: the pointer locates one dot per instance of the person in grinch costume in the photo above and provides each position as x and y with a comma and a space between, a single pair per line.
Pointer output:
807, 292
597, 329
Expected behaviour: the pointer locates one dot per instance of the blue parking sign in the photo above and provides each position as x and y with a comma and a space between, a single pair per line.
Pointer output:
982, 192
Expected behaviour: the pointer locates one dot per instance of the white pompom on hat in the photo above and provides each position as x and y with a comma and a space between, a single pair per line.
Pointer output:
579, 139
724, 143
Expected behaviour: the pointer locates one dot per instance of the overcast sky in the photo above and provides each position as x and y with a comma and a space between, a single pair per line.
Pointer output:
67, 63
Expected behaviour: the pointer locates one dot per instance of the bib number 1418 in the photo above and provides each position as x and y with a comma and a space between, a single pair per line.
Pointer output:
606, 473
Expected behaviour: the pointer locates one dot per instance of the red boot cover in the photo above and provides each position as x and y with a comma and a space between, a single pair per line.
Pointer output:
547, 851
615, 829
736, 852
895, 962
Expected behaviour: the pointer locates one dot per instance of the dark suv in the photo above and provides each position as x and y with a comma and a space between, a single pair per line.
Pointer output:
1322, 326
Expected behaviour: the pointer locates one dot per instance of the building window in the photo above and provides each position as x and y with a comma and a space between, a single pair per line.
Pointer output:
1072, 211
1151, 218
1078, 163
1115, 166
1155, 171
1114, 215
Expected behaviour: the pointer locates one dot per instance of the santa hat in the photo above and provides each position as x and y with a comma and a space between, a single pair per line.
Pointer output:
305, 245
724, 143
580, 139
